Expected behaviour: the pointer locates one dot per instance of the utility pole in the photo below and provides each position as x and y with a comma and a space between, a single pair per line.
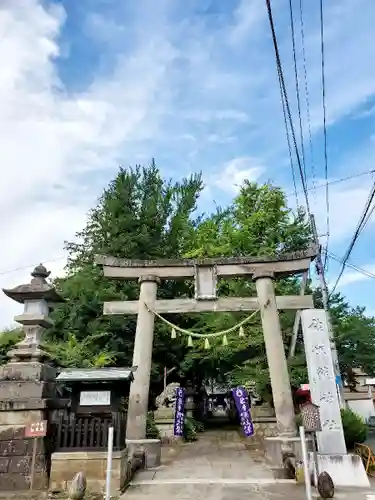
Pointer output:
324, 288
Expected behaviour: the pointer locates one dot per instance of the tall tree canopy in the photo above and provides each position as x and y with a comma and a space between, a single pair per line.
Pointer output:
142, 216
139, 216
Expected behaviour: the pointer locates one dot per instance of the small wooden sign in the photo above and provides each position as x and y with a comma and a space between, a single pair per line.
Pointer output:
95, 398
36, 429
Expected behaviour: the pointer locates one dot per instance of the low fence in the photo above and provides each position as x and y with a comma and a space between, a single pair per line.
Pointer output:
88, 432
368, 458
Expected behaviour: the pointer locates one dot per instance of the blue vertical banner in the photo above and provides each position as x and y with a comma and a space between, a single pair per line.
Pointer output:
241, 399
179, 416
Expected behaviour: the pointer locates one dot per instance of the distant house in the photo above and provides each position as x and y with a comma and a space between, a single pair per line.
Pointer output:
360, 385
360, 394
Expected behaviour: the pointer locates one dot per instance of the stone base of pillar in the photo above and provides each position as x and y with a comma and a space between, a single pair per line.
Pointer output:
278, 448
150, 449
166, 430
345, 470
265, 427
164, 421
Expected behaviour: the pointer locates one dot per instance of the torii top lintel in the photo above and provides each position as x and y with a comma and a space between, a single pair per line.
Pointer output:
281, 265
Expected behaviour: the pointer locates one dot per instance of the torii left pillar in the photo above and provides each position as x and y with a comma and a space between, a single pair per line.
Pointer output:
142, 359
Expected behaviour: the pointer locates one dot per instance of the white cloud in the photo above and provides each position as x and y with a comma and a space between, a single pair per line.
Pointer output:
51, 139
235, 172
248, 17
346, 206
349, 277
165, 81
348, 48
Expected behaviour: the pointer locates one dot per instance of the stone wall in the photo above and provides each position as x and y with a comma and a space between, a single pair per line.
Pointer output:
26, 390
16, 452
94, 465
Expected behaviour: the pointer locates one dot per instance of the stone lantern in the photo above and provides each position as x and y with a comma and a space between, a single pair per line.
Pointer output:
27, 386
37, 297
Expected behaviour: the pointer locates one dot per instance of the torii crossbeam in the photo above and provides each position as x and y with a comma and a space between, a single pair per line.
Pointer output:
205, 273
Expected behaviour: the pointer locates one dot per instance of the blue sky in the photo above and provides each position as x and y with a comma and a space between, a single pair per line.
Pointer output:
91, 84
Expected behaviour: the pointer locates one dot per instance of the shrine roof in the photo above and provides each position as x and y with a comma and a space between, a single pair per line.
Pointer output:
95, 374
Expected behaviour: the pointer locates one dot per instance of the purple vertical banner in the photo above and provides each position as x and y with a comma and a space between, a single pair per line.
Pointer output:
241, 399
179, 416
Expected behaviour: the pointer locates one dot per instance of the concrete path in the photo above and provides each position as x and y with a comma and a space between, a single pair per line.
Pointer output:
220, 466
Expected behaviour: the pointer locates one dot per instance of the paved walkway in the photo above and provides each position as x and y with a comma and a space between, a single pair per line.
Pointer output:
219, 466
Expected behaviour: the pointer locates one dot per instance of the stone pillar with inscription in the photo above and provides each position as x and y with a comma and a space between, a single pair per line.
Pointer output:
27, 387
345, 469
322, 381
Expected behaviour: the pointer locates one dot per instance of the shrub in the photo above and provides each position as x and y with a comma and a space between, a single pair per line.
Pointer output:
190, 429
152, 432
355, 428
199, 426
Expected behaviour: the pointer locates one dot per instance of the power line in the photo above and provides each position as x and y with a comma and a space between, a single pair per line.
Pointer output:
307, 95
360, 226
337, 181
324, 119
281, 76
297, 88
368, 217
360, 270
9, 271
288, 140
320, 268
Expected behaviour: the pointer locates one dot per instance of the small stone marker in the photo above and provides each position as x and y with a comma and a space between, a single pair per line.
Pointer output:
326, 488
77, 488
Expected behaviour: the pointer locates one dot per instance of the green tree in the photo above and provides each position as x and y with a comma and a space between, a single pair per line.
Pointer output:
354, 334
8, 338
139, 216
257, 223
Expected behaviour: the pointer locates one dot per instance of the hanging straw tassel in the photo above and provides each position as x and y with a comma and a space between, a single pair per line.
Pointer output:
206, 343
241, 332
173, 334
225, 340
190, 341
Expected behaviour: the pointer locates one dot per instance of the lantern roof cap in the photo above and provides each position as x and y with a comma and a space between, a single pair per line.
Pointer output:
37, 289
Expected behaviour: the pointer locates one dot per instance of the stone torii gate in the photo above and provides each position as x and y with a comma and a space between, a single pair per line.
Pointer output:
263, 270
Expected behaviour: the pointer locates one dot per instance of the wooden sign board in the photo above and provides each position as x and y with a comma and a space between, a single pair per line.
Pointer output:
95, 398
36, 429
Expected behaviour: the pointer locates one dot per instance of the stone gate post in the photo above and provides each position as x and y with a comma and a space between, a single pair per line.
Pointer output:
278, 368
27, 387
142, 358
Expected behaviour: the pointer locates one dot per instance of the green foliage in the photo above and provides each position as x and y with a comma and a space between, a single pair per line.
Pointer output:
199, 426
257, 223
8, 338
79, 354
142, 216
139, 216
354, 334
152, 432
355, 429
191, 429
